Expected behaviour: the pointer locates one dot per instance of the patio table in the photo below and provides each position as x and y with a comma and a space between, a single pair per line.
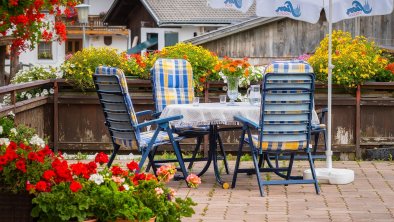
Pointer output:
212, 114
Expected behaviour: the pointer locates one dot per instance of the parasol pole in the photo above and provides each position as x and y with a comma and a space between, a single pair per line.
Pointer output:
329, 102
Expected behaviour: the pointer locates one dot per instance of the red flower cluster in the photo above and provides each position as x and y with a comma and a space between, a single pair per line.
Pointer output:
101, 158
60, 29
390, 67
132, 166
75, 186
25, 21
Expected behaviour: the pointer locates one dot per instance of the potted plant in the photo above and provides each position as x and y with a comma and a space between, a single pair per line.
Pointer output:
82, 190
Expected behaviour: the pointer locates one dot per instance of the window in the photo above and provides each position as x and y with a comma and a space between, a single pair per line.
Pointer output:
45, 50
73, 46
153, 38
170, 38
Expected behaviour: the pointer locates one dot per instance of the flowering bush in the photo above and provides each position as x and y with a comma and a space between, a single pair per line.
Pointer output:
36, 73
355, 59
202, 61
81, 66
24, 19
22, 165
386, 74
77, 191
137, 65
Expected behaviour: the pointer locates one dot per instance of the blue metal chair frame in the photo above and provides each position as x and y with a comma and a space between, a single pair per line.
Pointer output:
122, 122
260, 153
188, 132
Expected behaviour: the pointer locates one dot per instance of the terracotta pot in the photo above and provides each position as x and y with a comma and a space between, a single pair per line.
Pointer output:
153, 219
90, 220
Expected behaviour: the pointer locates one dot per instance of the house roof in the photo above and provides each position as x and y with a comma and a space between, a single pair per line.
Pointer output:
231, 29
177, 12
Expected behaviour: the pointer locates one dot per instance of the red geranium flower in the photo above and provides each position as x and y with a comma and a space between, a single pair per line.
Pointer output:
41, 186
80, 169
49, 175
75, 186
116, 171
3, 160
92, 167
101, 158
132, 166
21, 165
12, 145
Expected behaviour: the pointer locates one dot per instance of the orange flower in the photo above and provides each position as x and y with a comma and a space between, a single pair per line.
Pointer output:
246, 73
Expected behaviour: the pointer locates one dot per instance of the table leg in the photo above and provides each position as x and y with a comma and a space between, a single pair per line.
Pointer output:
213, 134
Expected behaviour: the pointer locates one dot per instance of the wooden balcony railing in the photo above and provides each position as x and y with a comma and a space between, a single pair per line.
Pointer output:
95, 26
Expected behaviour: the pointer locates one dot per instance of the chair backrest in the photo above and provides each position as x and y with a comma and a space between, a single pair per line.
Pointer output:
286, 106
172, 82
118, 108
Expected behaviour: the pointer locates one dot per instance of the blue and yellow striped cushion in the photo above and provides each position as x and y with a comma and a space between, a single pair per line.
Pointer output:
276, 146
173, 82
145, 138
285, 67
104, 70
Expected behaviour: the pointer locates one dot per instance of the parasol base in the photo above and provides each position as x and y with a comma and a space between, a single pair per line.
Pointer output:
331, 176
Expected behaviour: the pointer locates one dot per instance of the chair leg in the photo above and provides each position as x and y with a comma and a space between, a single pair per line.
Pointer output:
257, 169
145, 153
196, 149
151, 163
239, 154
290, 167
316, 142
313, 172
224, 154
178, 154
111, 159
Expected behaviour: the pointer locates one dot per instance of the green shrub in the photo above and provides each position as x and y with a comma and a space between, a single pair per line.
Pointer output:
81, 66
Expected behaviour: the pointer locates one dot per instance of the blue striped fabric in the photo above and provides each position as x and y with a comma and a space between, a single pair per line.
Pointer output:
104, 70
292, 66
172, 82
146, 137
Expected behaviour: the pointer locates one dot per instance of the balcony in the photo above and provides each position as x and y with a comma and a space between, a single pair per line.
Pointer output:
95, 26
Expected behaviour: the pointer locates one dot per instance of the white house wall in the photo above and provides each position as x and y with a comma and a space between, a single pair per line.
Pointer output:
118, 42
98, 6
58, 55
184, 33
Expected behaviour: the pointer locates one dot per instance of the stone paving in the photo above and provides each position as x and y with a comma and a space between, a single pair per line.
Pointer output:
369, 198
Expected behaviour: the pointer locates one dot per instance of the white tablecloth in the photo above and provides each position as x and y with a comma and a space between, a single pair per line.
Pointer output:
214, 113
210, 113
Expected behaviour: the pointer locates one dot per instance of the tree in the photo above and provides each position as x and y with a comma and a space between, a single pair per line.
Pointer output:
25, 21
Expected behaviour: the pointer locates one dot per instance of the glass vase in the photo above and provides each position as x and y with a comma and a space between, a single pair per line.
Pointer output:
232, 89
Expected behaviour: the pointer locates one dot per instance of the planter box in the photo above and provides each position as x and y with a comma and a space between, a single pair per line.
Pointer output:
15, 207
380, 154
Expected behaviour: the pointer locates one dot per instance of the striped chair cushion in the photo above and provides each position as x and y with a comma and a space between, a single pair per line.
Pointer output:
276, 146
123, 83
146, 137
293, 66
173, 82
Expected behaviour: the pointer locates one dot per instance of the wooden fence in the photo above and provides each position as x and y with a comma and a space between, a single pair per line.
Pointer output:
73, 120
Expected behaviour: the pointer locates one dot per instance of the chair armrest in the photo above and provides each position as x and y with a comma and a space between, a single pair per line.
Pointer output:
321, 113
144, 113
159, 121
247, 122
156, 115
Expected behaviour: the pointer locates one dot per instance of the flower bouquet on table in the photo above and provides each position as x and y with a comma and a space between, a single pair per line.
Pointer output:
82, 190
231, 71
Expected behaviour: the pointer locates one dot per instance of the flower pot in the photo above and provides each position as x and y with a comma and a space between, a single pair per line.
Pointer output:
90, 220
15, 207
153, 219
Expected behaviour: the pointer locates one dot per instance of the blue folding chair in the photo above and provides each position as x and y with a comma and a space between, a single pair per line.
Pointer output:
285, 124
122, 122
172, 81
